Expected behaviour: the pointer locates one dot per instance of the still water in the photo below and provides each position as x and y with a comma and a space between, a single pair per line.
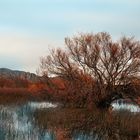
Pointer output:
17, 122
120, 104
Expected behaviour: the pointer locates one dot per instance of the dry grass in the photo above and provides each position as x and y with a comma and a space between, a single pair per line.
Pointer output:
117, 125
18, 96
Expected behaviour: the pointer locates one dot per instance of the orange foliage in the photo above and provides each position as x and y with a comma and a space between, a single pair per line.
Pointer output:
36, 87
59, 83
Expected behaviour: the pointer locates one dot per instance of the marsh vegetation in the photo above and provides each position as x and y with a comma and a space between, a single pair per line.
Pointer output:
49, 121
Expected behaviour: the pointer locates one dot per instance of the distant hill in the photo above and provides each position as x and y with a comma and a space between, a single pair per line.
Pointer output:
11, 74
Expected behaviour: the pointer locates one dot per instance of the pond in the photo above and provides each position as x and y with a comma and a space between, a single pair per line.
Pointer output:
44, 121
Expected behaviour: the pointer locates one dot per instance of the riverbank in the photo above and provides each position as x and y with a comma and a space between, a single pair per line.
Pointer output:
19, 96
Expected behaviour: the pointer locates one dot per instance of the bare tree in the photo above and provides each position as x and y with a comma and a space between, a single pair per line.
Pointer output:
112, 65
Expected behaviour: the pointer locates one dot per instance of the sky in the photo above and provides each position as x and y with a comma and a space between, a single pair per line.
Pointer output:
29, 28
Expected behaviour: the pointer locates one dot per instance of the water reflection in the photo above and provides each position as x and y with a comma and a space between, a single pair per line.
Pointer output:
42, 105
19, 122
121, 104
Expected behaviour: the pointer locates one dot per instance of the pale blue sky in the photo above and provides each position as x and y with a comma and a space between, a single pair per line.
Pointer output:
29, 27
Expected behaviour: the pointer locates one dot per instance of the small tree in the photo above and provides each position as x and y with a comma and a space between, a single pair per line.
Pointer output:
111, 65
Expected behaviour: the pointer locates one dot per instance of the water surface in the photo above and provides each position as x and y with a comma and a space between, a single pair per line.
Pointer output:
18, 122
